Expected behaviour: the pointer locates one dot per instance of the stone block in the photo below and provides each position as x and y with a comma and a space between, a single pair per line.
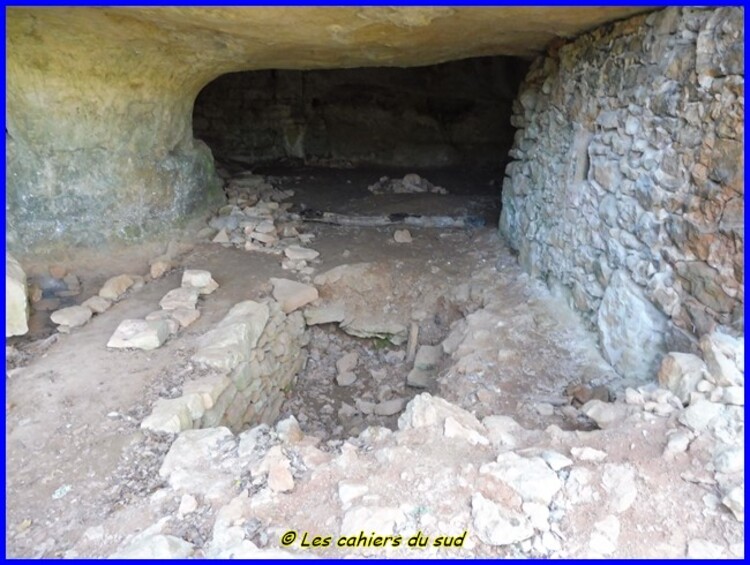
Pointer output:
16, 301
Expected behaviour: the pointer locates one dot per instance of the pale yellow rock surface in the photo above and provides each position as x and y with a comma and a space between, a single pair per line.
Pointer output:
16, 302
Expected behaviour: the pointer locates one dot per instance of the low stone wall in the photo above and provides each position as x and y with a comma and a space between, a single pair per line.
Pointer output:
627, 185
253, 356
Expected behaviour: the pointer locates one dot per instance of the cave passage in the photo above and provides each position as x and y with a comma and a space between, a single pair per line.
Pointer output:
344, 129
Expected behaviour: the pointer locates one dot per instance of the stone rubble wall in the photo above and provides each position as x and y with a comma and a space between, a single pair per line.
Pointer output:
439, 115
626, 189
252, 356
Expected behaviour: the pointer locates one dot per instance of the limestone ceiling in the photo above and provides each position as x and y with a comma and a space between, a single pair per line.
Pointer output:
299, 37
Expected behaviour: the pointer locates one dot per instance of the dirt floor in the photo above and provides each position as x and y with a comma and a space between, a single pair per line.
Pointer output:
82, 477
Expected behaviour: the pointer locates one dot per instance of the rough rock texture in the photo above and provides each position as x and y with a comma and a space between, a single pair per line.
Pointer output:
99, 100
627, 185
449, 114
254, 354
16, 301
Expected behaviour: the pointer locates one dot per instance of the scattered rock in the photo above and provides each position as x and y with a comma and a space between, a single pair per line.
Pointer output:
453, 429
188, 505
185, 316
289, 431
346, 378
165, 315
495, 525
734, 395
588, 454
348, 362
605, 536
619, 482
182, 297
297, 253
402, 236
57, 271
334, 312
735, 501
160, 267
581, 394
530, 477
412, 183
16, 303
389, 407
699, 415
730, 460
555, 460
139, 334
292, 294
428, 357
195, 463
115, 287
426, 410
280, 477
678, 442
681, 373
72, 317
202, 281
702, 549
419, 378
605, 414
221, 237
724, 357
35, 293
97, 304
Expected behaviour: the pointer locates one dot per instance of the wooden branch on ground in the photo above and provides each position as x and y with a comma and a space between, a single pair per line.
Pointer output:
416, 220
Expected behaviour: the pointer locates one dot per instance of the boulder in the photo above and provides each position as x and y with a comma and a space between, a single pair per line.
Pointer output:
633, 348
16, 301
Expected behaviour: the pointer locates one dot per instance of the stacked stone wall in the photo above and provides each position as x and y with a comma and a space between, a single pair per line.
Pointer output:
627, 185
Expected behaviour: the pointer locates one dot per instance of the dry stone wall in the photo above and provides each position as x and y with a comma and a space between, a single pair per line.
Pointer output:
252, 357
627, 186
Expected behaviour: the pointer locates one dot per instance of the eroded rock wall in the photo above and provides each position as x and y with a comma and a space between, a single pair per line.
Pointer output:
440, 115
627, 185
99, 100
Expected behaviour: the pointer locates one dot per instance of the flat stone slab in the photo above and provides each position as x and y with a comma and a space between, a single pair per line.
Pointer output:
139, 334
292, 295
180, 298
73, 316
296, 252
